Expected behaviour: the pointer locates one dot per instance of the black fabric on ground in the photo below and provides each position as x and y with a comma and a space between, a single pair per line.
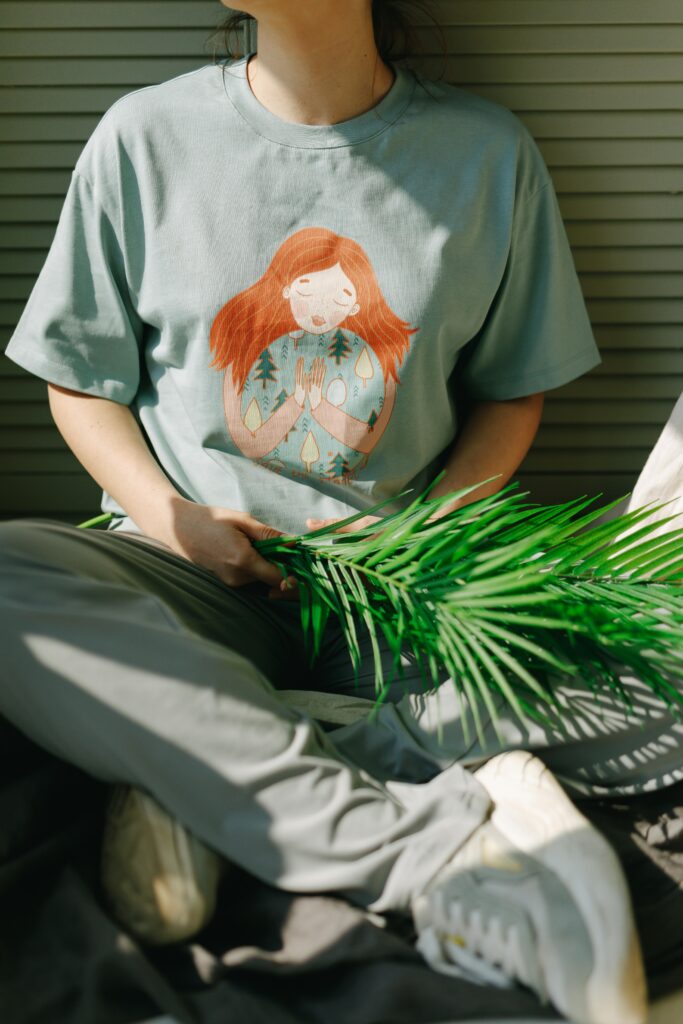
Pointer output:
268, 957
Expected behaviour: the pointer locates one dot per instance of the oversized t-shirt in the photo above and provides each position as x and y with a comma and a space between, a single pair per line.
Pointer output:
294, 313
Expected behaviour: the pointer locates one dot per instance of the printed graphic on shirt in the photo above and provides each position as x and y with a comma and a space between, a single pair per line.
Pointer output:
311, 354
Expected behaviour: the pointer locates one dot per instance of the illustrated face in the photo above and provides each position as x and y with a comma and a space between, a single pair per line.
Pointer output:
320, 301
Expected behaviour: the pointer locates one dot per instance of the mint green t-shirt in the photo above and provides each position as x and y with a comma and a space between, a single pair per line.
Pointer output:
294, 313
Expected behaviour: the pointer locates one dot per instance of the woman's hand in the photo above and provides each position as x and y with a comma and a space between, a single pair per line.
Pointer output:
317, 524
219, 539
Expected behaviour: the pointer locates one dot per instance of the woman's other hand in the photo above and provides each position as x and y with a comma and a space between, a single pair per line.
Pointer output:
220, 540
317, 524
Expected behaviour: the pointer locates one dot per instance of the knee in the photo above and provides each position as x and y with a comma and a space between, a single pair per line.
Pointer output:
25, 538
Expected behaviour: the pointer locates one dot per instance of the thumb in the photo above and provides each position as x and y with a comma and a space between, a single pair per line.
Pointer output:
317, 523
256, 564
256, 530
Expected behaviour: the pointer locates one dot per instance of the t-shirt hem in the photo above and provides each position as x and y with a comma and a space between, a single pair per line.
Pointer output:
56, 373
542, 380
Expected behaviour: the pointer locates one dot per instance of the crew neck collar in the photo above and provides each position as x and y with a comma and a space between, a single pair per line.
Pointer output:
317, 136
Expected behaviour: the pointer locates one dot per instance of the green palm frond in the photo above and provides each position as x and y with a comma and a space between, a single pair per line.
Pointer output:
503, 594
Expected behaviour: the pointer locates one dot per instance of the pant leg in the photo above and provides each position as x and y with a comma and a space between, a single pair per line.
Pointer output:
127, 662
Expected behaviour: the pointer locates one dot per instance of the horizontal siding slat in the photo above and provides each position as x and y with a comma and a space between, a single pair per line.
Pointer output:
45, 209
644, 311
58, 14
648, 336
612, 153
579, 12
624, 260
578, 96
565, 154
65, 100
597, 234
43, 496
77, 44
643, 376
557, 67
628, 460
554, 437
647, 260
149, 13
558, 486
23, 463
64, 491
523, 41
583, 232
135, 72
645, 337
479, 68
19, 384
37, 438
617, 361
593, 385
585, 460
636, 286
559, 408
550, 436
655, 200
606, 233
563, 125
595, 286
523, 98
617, 180
599, 124
600, 311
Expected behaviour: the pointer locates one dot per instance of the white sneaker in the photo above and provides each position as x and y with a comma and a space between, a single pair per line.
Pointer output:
536, 895
160, 880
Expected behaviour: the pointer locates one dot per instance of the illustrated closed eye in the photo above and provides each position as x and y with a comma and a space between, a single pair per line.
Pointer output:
307, 295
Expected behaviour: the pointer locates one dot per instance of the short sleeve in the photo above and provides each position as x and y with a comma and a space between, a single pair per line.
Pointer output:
537, 334
79, 328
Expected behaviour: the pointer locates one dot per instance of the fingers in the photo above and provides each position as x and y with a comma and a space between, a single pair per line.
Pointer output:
284, 592
317, 524
318, 369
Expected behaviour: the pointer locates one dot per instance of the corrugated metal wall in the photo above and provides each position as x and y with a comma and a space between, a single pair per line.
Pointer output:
599, 83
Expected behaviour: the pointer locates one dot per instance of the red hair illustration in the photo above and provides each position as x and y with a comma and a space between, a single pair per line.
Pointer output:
255, 317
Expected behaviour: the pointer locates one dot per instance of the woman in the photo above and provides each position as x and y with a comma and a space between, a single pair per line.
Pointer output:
273, 283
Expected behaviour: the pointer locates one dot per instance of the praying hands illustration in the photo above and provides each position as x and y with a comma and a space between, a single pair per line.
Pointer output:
341, 425
314, 381
258, 439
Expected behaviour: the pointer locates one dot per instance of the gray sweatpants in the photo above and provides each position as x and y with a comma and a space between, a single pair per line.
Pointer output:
139, 666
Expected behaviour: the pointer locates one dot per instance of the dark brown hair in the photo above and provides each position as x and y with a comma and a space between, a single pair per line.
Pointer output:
396, 34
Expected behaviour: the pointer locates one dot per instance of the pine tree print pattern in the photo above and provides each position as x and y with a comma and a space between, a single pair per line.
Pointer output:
353, 382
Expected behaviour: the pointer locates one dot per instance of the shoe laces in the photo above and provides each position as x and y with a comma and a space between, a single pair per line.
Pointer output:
488, 948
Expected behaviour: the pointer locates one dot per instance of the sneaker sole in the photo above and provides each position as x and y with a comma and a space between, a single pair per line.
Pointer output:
535, 814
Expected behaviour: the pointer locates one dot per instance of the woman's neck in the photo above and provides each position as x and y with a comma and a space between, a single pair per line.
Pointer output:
319, 69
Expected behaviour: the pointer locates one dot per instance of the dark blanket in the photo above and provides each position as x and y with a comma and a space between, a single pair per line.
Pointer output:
268, 956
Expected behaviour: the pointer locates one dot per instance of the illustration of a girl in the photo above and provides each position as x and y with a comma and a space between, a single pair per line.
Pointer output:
315, 326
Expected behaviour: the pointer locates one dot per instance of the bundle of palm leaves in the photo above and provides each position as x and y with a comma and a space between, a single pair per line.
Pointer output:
502, 594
